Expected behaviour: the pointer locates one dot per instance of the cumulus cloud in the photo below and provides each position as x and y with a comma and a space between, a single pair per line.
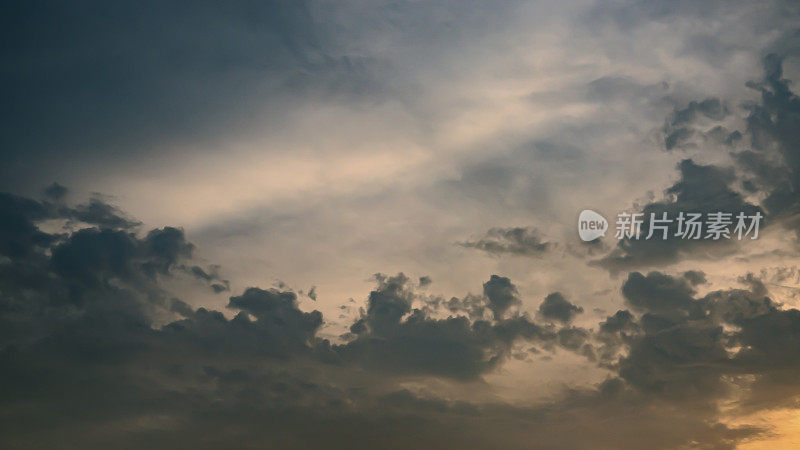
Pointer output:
690, 348
556, 307
90, 338
85, 305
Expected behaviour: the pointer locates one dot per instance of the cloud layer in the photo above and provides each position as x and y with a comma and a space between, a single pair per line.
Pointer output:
194, 198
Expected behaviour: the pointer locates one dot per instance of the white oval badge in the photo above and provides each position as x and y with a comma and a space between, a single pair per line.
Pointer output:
591, 225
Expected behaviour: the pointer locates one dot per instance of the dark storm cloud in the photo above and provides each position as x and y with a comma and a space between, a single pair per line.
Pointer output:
765, 152
556, 307
393, 336
701, 189
79, 344
657, 292
501, 293
689, 349
111, 79
772, 126
19, 235
515, 241
56, 192
770, 166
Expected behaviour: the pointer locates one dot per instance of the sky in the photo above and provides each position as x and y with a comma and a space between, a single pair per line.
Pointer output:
354, 224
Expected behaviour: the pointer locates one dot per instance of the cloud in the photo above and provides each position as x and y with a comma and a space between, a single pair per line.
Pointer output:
701, 189
103, 339
56, 192
676, 129
657, 292
770, 165
179, 74
501, 295
515, 241
556, 307
699, 349
216, 283
695, 277
392, 336
97, 212
774, 160
93, 347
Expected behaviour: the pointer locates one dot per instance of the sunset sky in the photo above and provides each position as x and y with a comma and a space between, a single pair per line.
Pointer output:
354, 224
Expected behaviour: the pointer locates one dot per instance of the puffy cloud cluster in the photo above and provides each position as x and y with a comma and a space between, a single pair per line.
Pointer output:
93, 347
93, 350
700, 349
765, 166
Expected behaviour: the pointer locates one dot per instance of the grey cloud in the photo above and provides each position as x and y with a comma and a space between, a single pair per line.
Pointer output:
770, 166
501, 182
770, 159
574, 338
56, 192
678, 129
556, 307
695, 277
19, 236
215, 282
701, 189
614, 334
182, 73
772, 126
396, 338
515, 241
501, 293
712, 108
473, 305
100, 213
657, 292
684, 348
